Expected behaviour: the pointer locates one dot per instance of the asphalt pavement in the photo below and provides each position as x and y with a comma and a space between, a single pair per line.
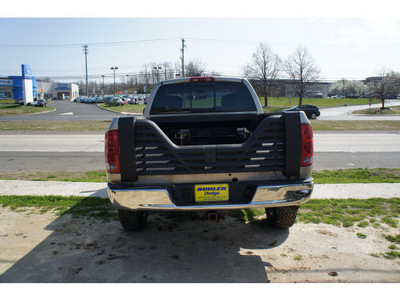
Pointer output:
85, 152
67, 111
344, 113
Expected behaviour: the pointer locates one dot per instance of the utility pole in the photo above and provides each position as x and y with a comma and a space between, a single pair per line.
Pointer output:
86, 50
103, 85
183, 57
114, 68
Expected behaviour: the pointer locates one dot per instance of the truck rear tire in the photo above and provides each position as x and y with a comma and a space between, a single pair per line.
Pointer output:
281, 217
132, 220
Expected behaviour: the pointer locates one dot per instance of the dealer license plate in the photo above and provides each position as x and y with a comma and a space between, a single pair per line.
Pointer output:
211, 192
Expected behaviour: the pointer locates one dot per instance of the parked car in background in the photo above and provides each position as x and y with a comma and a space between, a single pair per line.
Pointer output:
107, 99
41, 102
115, 101
311, 111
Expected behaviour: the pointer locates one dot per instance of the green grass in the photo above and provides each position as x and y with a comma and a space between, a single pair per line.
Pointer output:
7, 101
380, 175
393, 110
391, 255
354, 125
298, 258
393, 239
390, 221
338, 212
16, 109
349, 212
280, 103
74, 176
50, 126
131, 108
77, 206
361, 235
358, 175
101, 126
363, 224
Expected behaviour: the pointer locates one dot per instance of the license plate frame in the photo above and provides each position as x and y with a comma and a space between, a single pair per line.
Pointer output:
211, 192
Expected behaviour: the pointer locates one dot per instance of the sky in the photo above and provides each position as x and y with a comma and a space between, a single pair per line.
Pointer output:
350, 46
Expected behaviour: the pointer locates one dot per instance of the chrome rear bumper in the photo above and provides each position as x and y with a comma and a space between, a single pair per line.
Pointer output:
160, 198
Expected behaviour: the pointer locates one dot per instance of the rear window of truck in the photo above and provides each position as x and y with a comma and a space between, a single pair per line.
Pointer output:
202, 97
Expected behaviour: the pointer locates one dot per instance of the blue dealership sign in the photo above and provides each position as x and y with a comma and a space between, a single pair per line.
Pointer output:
6, 82
26, 71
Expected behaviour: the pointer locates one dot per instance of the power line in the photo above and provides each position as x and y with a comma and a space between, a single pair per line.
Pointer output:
100, 44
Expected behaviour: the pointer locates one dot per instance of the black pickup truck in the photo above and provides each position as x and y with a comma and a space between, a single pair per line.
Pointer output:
205, 144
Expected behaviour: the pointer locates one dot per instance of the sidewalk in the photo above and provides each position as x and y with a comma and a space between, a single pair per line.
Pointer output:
99, 189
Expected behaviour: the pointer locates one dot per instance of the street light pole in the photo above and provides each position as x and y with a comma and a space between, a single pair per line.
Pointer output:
86, 50
114, 68
103, 84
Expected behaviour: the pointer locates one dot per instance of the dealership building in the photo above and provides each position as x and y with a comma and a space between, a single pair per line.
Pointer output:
28, 87
56, 90
11, 87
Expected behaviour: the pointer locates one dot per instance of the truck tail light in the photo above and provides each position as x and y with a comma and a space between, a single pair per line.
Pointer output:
112, 151
202, 79
307, 145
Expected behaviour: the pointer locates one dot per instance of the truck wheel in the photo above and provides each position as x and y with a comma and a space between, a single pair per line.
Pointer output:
132, 220
281, 217
313, 116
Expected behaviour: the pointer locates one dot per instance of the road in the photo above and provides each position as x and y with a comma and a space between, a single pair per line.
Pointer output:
47, 152
343, 113
66, 110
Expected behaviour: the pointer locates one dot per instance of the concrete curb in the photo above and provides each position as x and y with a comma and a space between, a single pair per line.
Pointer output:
121, 113
99, 189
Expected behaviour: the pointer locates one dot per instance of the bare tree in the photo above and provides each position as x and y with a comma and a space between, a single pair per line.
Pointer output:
387, 86
145, 74
264, 66
303, 72
195, 68
167, 70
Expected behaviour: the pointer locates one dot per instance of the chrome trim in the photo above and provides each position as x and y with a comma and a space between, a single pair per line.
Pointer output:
160, 199
303, 118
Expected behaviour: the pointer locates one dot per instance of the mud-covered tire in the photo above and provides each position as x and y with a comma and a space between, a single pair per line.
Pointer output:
132, 220
281, 217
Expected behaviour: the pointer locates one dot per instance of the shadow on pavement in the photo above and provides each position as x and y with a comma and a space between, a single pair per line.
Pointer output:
171, 250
